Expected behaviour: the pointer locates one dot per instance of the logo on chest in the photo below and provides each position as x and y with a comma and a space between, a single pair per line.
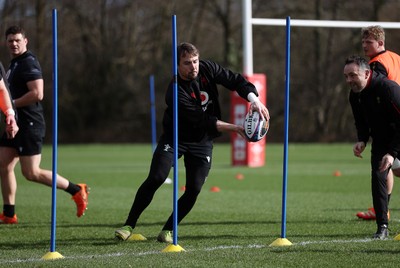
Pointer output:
204, 97
205, 100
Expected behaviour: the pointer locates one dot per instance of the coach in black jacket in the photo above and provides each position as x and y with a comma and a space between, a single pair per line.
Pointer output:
199, 122
375, 102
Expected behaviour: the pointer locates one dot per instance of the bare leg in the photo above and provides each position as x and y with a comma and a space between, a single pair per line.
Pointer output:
390, 181
8, 160
32, 172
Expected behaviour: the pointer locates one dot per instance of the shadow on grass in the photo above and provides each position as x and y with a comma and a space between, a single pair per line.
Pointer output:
86, 237
161, 223
13, 245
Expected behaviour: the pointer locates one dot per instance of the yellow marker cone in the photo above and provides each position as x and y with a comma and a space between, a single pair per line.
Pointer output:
280, 242
137, 237
173, 248
52, 256
397, 237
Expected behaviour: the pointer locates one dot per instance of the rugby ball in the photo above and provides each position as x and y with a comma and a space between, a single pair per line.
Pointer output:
255, 127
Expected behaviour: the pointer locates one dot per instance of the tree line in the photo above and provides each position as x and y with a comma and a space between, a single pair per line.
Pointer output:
107, 50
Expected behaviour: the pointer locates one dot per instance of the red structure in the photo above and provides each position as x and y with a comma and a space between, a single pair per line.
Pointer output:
245, 153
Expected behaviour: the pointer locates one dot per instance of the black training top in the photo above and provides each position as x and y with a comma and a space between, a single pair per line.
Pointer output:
376, 111
23, 69
198, 104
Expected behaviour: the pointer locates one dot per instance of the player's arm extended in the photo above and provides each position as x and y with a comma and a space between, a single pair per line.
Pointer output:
223, 126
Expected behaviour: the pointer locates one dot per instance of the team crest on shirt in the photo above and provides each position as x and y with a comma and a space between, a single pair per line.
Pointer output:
204, 97
205, 100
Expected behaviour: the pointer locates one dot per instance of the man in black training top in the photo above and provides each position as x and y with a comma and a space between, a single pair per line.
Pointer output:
199, 123
375, 102
27, 87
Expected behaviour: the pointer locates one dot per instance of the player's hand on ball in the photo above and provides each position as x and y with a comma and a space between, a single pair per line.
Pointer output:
261, 109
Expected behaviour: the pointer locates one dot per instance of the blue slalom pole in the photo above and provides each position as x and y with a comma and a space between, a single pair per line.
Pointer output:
175, 133
285, 154
55, 135
153, 114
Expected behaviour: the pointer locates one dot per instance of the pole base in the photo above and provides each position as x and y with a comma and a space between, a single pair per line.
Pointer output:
52, 256
173, 248
137, 237
280, 242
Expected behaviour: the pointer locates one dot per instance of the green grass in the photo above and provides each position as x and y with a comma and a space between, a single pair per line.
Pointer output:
230, 228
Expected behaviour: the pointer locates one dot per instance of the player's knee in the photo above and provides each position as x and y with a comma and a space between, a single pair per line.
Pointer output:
6, 169
30, 174
153, 182
193, 190
7, 165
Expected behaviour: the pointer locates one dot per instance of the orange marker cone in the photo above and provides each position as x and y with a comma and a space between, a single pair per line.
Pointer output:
215, 189
239, 176
337, 173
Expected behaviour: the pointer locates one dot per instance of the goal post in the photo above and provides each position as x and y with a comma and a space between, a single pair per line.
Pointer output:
249, 21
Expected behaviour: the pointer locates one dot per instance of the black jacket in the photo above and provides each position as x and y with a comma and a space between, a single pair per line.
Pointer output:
198, 104
376, 111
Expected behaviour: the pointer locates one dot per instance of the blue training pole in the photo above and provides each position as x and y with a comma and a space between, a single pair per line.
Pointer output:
175, 134
285, 154
153, 114
55, 135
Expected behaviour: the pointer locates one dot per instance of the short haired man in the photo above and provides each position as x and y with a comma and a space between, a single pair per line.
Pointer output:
375, 103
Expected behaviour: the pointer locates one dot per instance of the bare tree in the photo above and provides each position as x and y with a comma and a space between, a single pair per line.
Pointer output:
108, 49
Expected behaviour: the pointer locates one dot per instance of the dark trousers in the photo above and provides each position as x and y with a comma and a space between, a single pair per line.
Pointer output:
379, 189
197, 159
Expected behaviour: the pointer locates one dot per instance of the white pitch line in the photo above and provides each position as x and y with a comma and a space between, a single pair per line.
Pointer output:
116, 254
335, 241
223, 247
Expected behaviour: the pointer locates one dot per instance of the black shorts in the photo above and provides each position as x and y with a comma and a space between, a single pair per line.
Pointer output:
195, 154
28, 141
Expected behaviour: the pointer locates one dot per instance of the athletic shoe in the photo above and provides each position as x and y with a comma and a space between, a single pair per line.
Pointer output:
81, 200
369, 215
165, 237
382, 232
8, 220
123, 233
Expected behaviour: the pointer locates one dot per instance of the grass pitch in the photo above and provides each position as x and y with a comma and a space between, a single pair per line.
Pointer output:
327, 185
